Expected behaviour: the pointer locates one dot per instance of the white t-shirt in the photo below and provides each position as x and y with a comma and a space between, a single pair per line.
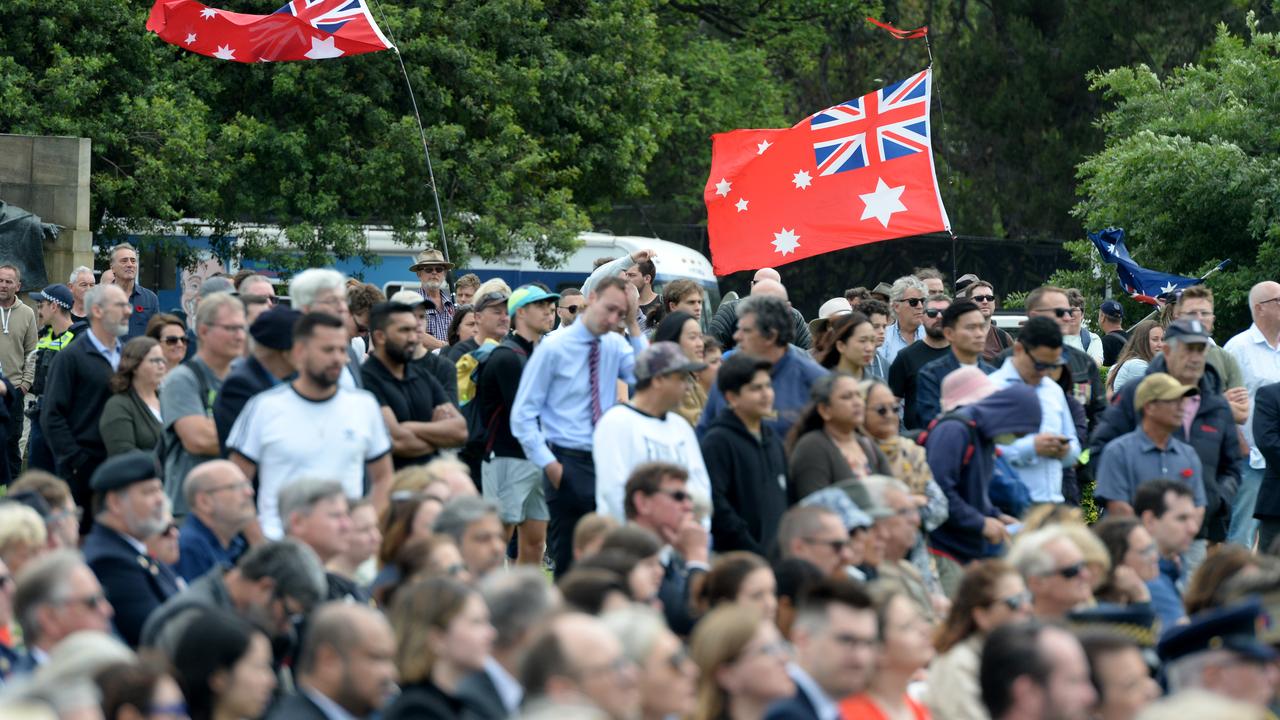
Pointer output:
626, 437
290, 437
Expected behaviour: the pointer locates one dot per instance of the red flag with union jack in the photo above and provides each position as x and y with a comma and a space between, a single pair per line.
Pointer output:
301, 30
855, 173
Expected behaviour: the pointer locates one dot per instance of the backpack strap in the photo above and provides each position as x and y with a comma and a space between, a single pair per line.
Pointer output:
968, 422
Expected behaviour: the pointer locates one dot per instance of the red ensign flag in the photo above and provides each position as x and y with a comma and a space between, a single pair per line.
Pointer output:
852, 174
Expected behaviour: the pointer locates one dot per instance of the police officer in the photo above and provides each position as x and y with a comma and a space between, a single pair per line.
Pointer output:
53, 311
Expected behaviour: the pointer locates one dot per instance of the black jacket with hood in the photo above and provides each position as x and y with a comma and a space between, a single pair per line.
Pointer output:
748, 483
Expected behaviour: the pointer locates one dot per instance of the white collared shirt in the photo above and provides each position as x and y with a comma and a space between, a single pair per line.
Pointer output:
1260, 365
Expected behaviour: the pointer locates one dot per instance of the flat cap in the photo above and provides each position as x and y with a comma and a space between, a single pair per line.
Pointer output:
121, 471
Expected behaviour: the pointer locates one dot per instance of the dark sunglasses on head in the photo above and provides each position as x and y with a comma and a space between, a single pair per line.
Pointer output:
1069, 572
982, 298
174, 340
933, 312
573, 309
913, 302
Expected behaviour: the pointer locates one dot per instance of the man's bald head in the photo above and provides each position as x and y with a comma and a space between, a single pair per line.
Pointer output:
772, 288
767, 274
1260, 293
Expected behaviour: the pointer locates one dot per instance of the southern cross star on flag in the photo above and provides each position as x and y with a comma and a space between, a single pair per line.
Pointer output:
1142, 284
855, 173
301, 30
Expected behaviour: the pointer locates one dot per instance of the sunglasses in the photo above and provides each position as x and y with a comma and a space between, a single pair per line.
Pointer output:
174, 340
933, 312
885, 410
1060, 312
982, 298
1016, 602
835, 545
433, 268
1069, 572
1046, 367
678, 659
677, 495
913, 302
573, 309
89, 602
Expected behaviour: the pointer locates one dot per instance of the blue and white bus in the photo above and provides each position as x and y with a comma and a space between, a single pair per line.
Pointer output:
177, 287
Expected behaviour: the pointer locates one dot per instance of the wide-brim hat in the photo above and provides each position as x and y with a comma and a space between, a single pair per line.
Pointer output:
430, 256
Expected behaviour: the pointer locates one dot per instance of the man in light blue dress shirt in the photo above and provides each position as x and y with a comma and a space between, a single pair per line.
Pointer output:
1040, 458
907, 305
557, 407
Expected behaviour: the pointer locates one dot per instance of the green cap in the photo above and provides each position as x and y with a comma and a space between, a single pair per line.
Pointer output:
526, 294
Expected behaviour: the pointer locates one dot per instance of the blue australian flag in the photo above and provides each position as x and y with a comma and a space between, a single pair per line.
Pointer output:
1135, 279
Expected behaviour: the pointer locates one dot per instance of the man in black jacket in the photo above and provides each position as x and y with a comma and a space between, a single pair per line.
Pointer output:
507, 478
745, 459
268, 364
1266, 437
76, 391
1211, 429
657, 500
346, 667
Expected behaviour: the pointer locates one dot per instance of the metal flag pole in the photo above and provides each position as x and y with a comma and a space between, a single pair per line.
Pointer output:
422, 131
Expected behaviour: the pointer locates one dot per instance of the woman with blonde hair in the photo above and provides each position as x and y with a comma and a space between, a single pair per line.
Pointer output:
668, 679
743, 661
990, 594
905, 649
443, 635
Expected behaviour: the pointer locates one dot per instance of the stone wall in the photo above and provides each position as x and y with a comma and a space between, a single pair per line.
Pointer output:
49, 176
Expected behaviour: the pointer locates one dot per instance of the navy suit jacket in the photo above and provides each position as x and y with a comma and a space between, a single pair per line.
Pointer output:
674, 593
797, 707
296, 707
134, 583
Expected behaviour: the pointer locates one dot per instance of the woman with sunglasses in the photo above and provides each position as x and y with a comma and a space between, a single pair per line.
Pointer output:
991, 594
1146, 340
743, 663
905, 649
443, 635
668, 679
826, 445
850, 345
171, 333
131, 418
684, 329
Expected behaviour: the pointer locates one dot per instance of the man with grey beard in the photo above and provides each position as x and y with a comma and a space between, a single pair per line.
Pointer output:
130, 507
76, 390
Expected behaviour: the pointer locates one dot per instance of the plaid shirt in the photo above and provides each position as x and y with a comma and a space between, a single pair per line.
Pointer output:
438, 320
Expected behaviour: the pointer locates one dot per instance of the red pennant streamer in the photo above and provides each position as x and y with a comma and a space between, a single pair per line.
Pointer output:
916, 34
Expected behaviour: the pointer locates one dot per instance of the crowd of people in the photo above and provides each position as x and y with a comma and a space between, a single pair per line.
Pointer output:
478, 501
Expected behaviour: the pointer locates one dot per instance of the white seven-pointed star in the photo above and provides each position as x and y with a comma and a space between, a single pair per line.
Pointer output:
208, 13
1168, 288
801, 180
322, 49
723, 187
741, 204
764, 145
1111, 249
191, 37
786, 241
225, 53
883, 203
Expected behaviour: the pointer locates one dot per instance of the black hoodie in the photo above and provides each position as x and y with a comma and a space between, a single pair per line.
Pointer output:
748, 483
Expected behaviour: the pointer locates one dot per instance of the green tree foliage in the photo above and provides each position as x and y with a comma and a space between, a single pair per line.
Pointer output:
540, 114
1190, 165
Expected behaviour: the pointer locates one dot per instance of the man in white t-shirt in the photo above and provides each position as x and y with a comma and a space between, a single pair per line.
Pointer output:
312, 426
646, 430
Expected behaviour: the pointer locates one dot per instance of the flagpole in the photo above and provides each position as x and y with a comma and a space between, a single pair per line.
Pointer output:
422, 132
1212, 270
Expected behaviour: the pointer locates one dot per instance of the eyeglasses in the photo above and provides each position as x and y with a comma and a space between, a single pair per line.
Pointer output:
237, 485
573, 309
1069, 572
237, 329
296, 616
455, 569
777, 648
1274, 299
982, 298
89, 602
933, 312
835, 545
174, 340
6, 580
913, 302
677, 495
1015, 602
60, 515
885, 409
678, 659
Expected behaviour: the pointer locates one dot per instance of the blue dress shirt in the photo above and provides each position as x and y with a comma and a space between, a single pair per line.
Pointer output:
1042, 475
